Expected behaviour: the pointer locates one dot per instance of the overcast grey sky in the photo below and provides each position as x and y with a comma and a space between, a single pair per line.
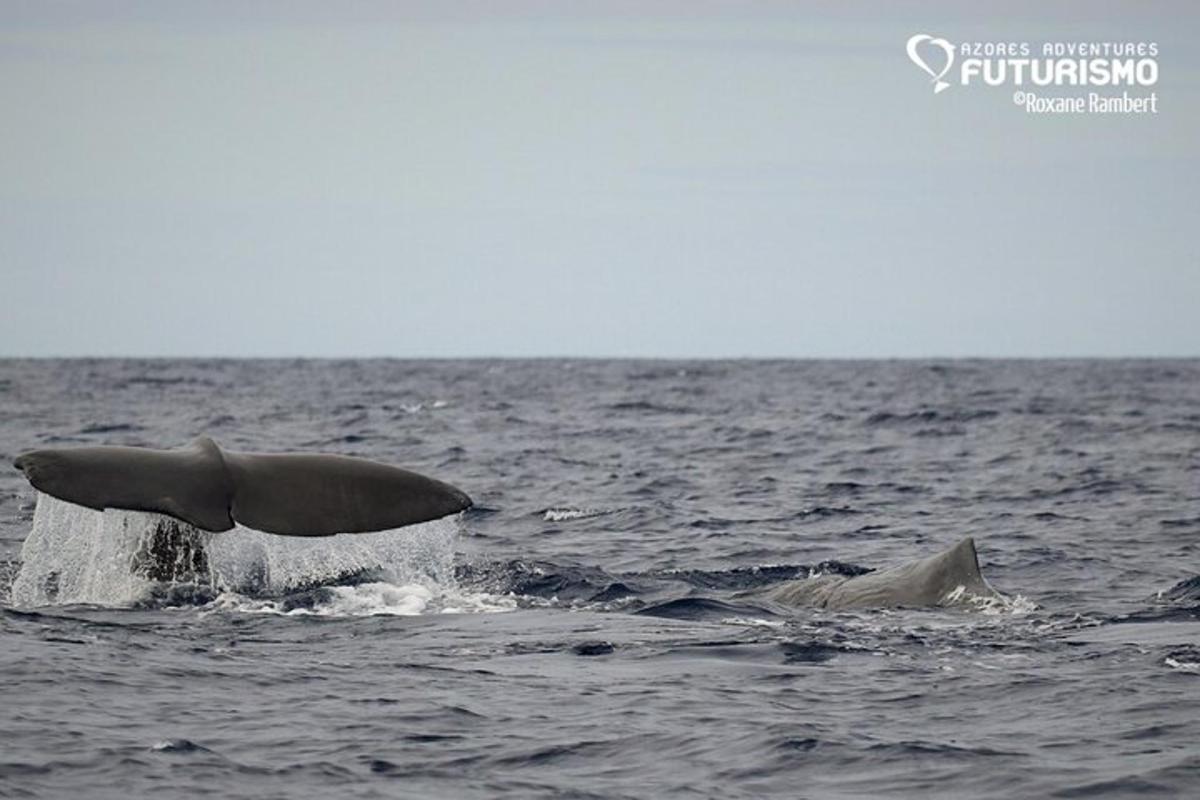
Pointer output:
587, 179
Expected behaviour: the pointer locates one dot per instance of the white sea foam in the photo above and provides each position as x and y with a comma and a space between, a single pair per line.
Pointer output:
372, 599
754, 622
77, 555
1182, 666
993, 604
1016, 605
564, 514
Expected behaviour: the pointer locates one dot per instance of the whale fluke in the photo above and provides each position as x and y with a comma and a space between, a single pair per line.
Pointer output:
190, 484
948, 578
213, 489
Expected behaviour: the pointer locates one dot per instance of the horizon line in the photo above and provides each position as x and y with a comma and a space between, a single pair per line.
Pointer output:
567, 357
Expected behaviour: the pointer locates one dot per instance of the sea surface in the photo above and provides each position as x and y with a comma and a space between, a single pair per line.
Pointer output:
585, 631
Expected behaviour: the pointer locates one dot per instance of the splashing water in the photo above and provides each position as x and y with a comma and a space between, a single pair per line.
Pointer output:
994, 604
75, 555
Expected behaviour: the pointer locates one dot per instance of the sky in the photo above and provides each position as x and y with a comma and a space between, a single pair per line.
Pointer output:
651, 179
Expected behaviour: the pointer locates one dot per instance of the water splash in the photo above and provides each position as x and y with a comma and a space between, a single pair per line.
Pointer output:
993, 604
76, 555
1015, 605
117, 558
249, 561
368, 599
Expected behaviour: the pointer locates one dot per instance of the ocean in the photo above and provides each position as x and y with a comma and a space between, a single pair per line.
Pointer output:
590, 629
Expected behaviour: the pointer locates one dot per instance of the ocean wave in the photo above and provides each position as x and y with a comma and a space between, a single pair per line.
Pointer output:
931, 415
567, 513
367, 599
705, 608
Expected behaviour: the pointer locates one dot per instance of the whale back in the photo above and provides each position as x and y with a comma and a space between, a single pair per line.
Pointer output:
211, 489
942, 579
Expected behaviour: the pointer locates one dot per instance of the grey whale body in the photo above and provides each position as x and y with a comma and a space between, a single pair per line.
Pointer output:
951, 577
214, 489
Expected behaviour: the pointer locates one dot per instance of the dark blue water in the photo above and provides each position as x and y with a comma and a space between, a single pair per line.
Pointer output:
591, 638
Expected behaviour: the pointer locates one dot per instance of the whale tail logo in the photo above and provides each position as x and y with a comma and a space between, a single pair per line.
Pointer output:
915, 56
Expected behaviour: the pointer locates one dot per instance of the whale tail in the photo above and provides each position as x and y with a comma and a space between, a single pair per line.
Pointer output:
214, 489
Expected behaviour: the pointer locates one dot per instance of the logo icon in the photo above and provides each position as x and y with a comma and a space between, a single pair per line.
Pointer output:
916, 57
